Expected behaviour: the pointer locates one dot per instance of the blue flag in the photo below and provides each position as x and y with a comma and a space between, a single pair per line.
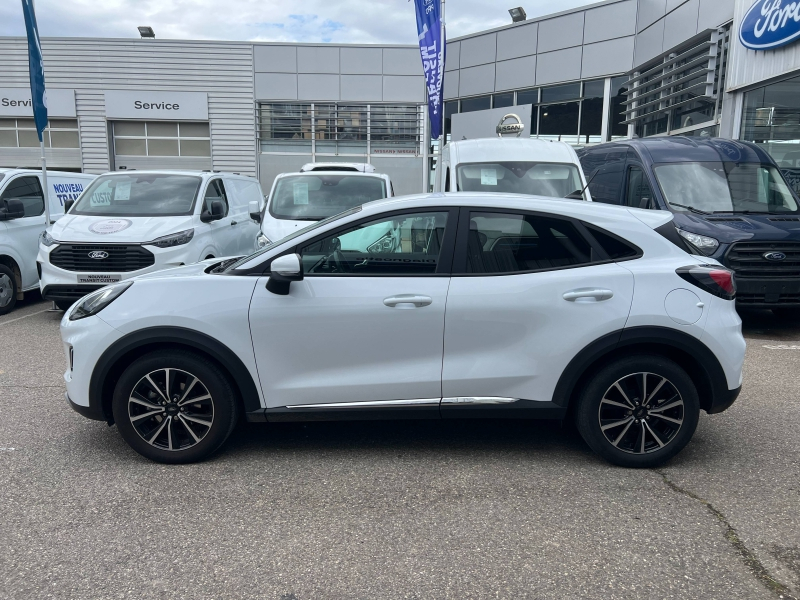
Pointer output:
431, 47
36, 68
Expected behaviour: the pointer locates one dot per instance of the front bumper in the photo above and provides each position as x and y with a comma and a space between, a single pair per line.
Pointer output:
767, 292
90, 412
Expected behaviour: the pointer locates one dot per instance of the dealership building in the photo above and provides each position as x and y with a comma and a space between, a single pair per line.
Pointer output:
609, 70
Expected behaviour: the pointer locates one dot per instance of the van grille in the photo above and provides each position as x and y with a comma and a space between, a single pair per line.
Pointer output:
120, 259
747, 260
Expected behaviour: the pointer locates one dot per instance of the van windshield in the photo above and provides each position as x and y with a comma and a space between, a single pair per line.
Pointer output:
139, 195
724, 187
317, 196
532, 178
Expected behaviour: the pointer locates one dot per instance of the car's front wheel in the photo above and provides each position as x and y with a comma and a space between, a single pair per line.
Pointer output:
638, 411
174, 406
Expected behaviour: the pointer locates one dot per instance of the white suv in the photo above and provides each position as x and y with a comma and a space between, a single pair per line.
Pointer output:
133, 222
553, 307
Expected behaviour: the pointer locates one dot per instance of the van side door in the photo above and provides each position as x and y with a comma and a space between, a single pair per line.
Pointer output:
24, 231
222, 231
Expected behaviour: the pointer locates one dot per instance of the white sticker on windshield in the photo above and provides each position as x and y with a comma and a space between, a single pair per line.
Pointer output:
300, 192
100, 199
123, 191
488, 176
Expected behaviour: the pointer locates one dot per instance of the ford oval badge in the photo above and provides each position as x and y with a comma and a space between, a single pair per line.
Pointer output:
503, 127
770, 24
98, 254
774, 255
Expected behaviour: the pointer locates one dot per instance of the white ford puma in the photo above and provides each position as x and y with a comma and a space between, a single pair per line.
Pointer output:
434, 306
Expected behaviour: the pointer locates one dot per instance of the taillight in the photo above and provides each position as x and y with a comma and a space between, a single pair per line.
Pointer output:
715, 280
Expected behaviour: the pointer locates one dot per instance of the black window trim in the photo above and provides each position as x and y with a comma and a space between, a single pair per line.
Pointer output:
224, 195
588, 227
443, 266
460, 256
39, 185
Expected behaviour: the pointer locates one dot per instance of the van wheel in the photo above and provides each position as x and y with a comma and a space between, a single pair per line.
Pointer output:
8, 290
174, 406
638, 411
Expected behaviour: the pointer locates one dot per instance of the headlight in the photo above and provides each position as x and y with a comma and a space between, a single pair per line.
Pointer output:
97, 301
706, 245
173, 239
45, 239
262, 240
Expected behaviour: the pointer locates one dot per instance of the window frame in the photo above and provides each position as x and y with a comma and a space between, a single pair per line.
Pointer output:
460, 256
443, 266
224, 195
629, 167
38, 184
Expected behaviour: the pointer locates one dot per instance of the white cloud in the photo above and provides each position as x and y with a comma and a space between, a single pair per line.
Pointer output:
343, 21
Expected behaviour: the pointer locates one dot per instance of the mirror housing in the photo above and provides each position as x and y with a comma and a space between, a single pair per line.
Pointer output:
283, 271
13, 209
216, 213
255, 212
68, 204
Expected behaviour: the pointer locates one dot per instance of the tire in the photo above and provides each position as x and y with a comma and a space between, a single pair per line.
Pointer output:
181, 431
8, 290
63, 304
666, 430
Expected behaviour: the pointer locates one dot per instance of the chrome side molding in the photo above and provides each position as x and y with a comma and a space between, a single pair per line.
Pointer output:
478, 400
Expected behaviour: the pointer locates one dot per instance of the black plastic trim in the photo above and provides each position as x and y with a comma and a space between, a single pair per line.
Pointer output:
69, 292
521, 409
368, 413
85, 411
104, 366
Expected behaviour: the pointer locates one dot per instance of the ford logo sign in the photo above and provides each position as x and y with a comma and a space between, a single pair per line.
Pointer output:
769, 24
98, 254
774, 255
503, 127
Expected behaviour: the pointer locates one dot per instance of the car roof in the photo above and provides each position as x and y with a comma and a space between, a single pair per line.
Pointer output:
326, 173
680, 148
512, 149
193, 172
338, 166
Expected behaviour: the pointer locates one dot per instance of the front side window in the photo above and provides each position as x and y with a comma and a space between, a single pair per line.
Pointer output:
639, 193
215, 191
28, 191
139, 195
400, 245
532, 178
516, 243
317, 196
725, 187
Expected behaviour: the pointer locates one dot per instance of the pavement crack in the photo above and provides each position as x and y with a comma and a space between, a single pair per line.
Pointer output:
750, 560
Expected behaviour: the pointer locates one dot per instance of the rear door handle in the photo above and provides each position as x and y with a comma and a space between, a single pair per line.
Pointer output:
407, 301
588, 295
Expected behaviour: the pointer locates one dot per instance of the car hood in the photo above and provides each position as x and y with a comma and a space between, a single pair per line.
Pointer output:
192, 270
83, 228
277, 229
737, 227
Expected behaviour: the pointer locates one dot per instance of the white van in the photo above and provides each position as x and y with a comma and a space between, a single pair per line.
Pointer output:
298, 199
132, 222
513, 166
22, 219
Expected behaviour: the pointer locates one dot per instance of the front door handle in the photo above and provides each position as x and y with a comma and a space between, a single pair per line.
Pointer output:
407, 301
588, 295
233, 223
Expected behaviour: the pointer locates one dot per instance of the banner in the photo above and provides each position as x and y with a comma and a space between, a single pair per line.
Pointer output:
431, 47
36, 68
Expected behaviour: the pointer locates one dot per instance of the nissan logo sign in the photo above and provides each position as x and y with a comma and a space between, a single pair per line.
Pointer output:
774, 255
503, 127
98, 254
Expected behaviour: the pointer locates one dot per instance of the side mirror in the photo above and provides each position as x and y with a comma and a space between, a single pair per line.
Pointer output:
216, 213
68, 204
255, 212
283, 271
13, 209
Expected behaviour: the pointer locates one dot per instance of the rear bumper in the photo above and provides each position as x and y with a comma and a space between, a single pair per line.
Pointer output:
723, 401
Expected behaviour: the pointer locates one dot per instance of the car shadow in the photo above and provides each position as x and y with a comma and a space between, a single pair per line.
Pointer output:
764, 324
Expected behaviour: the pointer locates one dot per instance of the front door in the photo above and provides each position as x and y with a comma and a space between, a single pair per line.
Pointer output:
528, 292
223, 232
366, 323
24, 232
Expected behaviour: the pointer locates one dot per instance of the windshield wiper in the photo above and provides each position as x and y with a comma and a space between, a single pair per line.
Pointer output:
691, 208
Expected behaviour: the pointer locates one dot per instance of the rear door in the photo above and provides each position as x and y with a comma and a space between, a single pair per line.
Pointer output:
529, 291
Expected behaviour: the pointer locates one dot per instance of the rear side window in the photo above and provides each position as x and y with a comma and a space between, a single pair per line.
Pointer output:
28, 191
615, 247
515, 243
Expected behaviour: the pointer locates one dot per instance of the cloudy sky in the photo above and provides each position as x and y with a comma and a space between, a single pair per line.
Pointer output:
342, 21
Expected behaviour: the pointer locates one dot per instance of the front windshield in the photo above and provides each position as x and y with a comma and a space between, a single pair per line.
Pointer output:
532, 178
297, 233
725, 187
316, 196
139, 195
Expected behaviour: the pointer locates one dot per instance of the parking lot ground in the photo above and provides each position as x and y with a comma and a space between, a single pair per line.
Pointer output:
396, 509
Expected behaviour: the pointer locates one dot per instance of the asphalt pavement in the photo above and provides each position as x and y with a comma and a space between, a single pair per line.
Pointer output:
421, 510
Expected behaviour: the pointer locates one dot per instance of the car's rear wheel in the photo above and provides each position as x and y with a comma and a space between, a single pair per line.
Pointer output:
638, 411
8, 290
174, 406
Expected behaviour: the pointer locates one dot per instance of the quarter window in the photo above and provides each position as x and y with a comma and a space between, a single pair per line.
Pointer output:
516, 243
29, 192
401, 245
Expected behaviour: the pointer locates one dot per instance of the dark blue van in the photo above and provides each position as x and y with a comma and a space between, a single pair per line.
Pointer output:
729, 199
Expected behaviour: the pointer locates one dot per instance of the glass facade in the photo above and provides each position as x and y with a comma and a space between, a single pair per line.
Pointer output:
771, 119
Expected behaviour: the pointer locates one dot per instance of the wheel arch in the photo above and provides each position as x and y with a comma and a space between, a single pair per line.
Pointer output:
11, 263
688, 352
124, 351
